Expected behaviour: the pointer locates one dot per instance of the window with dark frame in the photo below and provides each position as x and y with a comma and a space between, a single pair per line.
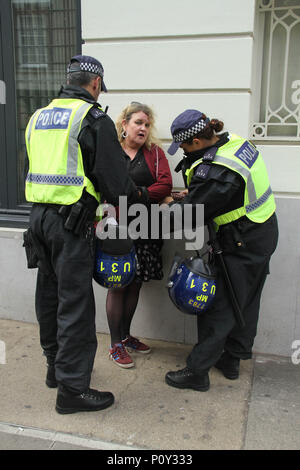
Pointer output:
42, 35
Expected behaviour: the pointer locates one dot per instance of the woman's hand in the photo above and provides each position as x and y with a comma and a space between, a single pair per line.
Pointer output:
166, 200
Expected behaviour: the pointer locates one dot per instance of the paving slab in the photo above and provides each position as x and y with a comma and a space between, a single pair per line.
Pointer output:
147, 413
274, 409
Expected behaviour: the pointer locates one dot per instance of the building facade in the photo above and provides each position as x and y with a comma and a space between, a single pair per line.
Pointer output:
235, 61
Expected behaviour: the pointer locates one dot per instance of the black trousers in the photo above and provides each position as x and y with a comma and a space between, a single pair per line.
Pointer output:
248, 267
64, 300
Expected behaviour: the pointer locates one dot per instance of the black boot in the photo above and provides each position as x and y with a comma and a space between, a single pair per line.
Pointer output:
229, 365
91, 400
50, 377
186, 378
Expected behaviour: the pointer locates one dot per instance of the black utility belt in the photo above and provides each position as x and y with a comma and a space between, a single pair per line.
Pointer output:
75, 216
241, 223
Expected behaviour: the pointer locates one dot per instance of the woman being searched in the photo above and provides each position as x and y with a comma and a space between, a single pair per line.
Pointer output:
148, 167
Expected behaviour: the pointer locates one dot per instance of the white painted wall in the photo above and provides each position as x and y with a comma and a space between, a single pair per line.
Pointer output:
176, 55
283, 164
172, 64
173, 55
132, 19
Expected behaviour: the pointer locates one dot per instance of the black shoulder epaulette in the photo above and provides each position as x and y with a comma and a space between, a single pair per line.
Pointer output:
210, 154
97, 113
204, 167
202, 170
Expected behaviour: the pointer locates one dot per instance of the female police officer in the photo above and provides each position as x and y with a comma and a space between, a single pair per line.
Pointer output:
227, 174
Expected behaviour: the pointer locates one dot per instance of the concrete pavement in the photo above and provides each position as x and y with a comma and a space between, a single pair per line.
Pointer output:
260, 410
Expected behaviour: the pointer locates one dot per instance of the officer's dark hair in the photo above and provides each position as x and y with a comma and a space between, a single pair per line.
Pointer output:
80, 78
208, 132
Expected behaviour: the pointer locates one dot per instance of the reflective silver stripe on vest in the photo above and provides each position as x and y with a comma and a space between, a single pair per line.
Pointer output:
70, 178
243, 171
73, 144
30, 127
260, 201
60, 180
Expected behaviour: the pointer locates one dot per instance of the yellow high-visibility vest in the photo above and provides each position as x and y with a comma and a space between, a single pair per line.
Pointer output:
56, 172
241, 156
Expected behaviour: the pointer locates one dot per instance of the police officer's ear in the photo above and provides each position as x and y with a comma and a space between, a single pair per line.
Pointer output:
96, 83
192, 146
198, 144
94, 87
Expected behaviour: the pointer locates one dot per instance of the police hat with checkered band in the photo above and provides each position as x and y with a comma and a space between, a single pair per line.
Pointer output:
86, 63
185, 126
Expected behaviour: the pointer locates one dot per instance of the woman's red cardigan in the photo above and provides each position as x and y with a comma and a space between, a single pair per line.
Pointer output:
160, 170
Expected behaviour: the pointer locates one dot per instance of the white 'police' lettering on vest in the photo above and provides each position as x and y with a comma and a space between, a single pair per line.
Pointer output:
56, 118
247, 153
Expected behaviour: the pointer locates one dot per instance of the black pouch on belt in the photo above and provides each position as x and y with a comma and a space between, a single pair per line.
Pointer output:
73, 217
78, 219
30, 249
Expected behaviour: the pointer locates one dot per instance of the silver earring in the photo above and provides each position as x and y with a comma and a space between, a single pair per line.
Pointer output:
124, 134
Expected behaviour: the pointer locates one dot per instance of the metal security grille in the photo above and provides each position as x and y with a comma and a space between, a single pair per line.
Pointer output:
278, 83
32, 37
45, 37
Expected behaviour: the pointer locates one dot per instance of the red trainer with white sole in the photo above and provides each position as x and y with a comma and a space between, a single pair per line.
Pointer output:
135, 345
120, 356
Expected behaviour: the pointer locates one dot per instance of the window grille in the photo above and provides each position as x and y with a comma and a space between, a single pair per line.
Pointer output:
45, 38
277, 91
32, 35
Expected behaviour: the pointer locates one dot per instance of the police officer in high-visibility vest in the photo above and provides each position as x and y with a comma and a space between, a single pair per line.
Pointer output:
74, 162
227, 174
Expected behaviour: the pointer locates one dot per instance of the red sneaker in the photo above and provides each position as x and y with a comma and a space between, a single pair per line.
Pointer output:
120, 356
135, 345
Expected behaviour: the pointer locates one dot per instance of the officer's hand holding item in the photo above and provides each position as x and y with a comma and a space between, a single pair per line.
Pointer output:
178, 195
227, 174
75, 161
149, 169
